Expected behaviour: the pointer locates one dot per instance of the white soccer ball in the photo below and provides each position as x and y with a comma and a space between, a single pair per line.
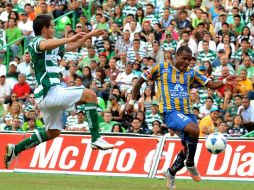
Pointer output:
216, 143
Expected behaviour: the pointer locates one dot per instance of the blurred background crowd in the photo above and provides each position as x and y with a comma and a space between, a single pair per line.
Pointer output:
137, 35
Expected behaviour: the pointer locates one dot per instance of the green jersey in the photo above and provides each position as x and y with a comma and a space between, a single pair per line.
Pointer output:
45, 66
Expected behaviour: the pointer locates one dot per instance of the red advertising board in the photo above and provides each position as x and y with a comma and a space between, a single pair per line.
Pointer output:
132, 156
72, 154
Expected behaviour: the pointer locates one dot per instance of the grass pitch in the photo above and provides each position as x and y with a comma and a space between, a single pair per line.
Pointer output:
26, 181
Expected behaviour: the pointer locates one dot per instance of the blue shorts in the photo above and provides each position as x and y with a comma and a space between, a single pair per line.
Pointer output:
177, 121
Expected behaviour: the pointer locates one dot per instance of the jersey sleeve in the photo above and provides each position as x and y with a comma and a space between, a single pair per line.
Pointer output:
35, 45
199, 78
151, 73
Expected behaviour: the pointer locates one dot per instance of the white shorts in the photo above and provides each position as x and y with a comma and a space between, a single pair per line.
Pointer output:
57, 100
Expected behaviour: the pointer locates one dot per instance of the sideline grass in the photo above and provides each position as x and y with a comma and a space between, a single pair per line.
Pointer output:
25, 181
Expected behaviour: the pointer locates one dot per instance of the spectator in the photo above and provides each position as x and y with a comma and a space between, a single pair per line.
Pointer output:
232, 110
33, 121
183, 22
244, 85
4, 15
5, 92
116, 128
108, 124
246, 111
115, 108
12, 75
244, 50
207, 124
32, 125
135, 52
136, 126
237, 129
22, 89
222, 128
118, 17
217, 71
101, 84
120, 64
87, 77
153, 115
248, 66
156, 52
13, 33
29, 11
206, 109
124, 79
15, 111
26, 27
30, 105
206, 54
25, 67
157, 129
87, 59
147, 99
188, 41
44, 10
212, 44
15, 125
80, 125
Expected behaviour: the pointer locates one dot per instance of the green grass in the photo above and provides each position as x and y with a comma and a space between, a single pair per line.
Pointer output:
24, 181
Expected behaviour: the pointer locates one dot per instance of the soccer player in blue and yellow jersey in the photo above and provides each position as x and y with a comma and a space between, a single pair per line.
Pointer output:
174, 82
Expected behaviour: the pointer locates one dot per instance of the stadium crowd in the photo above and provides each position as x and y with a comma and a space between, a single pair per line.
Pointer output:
137, 35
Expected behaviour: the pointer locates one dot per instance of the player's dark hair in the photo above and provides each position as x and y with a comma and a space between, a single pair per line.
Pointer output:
40, 22
183, 49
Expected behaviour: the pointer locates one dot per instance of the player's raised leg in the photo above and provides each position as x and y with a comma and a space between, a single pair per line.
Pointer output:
35, 139
89, 98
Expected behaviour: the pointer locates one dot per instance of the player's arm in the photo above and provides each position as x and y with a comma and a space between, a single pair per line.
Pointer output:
220, 83
79, 40
50, 44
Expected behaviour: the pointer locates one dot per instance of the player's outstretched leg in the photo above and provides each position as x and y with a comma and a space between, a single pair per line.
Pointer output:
90, 100
171, 172
35, 139
192, 131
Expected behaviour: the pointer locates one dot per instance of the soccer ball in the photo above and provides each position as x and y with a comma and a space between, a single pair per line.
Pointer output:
216, 143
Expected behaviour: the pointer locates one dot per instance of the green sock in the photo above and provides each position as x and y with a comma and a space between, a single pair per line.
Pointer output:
92, 119
37, 138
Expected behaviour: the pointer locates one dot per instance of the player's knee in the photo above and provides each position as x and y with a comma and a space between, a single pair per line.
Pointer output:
53, 133
89, 96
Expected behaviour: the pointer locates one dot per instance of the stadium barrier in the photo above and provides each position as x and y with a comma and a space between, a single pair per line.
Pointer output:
133, 156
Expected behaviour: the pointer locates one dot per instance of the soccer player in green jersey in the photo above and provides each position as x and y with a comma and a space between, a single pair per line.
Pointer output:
174, 81
51, 98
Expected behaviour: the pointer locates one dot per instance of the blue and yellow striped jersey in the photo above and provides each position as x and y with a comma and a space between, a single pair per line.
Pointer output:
174, 86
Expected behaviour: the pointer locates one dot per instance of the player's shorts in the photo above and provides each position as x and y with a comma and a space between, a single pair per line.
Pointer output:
56, 101
177, 121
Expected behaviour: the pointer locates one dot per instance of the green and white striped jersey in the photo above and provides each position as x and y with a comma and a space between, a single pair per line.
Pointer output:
72, 56
166, 46
45, 66
210, 56
127, 9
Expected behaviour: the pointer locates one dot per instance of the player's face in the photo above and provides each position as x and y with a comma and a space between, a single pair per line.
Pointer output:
50, 32
183, 61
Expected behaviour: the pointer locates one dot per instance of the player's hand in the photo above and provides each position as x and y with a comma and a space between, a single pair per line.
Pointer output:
77, 36
96, 32
231, 79
129, 108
